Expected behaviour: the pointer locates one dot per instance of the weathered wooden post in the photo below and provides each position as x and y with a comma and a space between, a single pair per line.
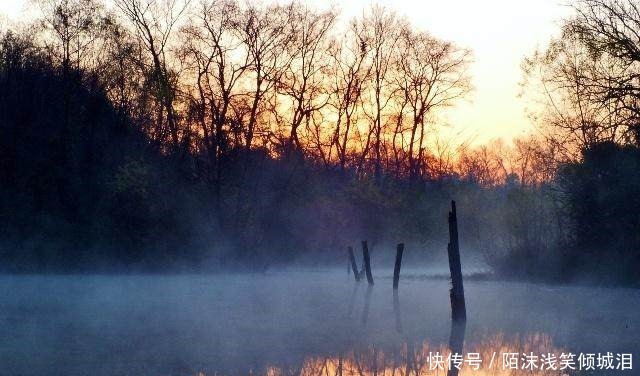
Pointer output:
352, 261
458, 310
396, 269
367, 262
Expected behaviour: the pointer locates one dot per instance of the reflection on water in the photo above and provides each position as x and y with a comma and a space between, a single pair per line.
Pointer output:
298, 323
367, 303
456, 343
428, 359
419, 359
494, 355
396, 311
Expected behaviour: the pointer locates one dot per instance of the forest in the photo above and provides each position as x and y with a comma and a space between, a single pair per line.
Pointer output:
217, 135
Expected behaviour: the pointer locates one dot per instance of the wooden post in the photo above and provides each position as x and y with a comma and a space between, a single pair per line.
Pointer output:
396, 269
367, 262
458, 310
352, 261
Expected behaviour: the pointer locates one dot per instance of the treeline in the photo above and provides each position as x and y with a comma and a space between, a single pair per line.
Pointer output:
228, 134
215, 76
586, 85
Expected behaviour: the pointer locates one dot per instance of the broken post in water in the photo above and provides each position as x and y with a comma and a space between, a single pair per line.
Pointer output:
367, 262
458, 310
396, 269
352, 261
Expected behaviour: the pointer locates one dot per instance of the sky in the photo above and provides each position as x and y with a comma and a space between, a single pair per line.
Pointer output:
499, 32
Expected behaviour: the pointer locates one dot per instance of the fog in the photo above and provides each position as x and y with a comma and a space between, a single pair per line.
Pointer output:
242, 323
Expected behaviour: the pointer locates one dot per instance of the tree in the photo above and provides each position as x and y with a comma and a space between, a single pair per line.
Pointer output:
215, 50
610, 29
587, 81
380, 33
431, 74
351, 70
71, 27
303, 85
266, 36
154, 22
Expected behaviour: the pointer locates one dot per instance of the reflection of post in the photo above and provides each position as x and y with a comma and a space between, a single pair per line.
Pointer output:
352, 261
396, 269
458, 310
396, 311
410, 359
367, 300
353, 298
367, 262
456, 342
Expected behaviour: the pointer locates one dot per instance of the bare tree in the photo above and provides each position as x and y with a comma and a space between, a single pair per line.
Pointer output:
216, 48
350, 72
430, 74
266, 35
587, 81
154, 22
122, 71
303, 83
380, 27
71, 27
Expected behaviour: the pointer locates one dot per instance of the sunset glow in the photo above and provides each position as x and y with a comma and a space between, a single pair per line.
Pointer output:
415, 360
500, 33
319, 187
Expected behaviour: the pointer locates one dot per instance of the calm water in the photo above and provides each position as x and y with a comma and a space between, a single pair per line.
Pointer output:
307, 323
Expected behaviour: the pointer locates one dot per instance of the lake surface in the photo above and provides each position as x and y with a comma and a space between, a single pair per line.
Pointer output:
296, 322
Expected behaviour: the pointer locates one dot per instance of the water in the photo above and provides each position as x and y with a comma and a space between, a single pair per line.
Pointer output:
282, 322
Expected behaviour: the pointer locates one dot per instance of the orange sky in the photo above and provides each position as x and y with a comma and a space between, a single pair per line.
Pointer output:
500, 33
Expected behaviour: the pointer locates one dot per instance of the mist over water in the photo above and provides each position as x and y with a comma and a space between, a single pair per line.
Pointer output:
237, 323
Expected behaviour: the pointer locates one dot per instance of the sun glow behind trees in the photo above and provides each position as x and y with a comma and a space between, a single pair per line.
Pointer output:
491, 110
223, 75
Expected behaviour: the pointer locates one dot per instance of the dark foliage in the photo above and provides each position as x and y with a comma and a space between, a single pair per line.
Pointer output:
604, 204
80, 185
